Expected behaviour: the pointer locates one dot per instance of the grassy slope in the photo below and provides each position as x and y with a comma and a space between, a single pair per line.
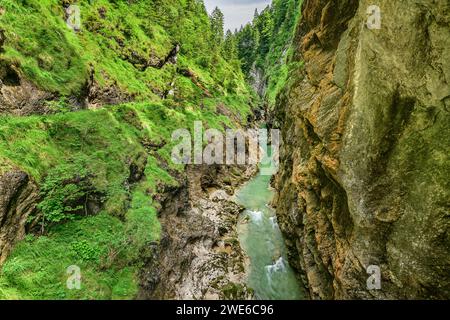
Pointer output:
100, 141
59, 60
99, 144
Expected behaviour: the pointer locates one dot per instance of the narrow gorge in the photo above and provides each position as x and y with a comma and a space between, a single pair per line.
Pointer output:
119, 179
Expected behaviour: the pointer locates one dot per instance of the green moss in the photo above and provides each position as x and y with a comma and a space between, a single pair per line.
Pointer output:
98, 145
236, 291
271, 33
52, 59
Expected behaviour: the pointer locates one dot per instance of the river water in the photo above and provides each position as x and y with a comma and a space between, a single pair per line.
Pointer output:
270, 275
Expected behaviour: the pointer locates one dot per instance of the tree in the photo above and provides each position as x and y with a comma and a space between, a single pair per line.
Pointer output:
256, 14
265, 28
262, 43
230, 51
247, 42
217, 23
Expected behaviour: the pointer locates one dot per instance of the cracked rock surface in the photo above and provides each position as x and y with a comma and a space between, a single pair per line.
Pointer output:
365, 160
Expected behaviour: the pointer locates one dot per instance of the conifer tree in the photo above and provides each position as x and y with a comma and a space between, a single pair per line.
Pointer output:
247, 42
217, 24
230, 47
256, 14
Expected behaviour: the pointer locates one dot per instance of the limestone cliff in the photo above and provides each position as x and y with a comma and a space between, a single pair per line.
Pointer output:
365, 160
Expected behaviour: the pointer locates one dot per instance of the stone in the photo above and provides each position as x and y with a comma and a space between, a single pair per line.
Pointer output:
365, 162
19, 196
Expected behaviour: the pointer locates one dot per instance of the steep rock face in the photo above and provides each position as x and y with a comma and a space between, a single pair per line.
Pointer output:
365, 160
199, 256
21, 97
18, 199
258, 81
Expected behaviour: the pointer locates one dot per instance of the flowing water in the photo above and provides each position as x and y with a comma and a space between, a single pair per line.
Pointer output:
270, 274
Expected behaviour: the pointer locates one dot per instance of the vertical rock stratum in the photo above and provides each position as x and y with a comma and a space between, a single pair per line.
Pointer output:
365, 162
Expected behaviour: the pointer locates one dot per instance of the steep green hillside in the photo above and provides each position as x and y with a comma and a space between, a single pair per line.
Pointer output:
86, 156
264, 46
124, 43
98, 170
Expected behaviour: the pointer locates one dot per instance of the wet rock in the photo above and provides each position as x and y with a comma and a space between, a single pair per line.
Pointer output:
171, 58
258, 80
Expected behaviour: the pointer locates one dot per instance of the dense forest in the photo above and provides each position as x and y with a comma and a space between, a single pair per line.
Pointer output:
264, 47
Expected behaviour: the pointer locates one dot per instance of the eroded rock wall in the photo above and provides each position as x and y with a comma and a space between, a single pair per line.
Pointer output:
18, 199
199, 255
365, 159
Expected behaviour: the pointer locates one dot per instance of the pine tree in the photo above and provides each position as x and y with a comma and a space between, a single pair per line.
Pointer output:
217, 24
256, 14
230, 47
265, 28
247, 42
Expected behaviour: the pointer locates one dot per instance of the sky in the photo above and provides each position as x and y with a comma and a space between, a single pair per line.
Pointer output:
236, 12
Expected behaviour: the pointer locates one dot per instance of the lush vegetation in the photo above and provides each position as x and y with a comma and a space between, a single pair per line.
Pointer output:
119, 41
84, 157
265, 45
76, 155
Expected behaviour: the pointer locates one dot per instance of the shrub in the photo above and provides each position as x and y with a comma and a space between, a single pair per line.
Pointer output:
63, 191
